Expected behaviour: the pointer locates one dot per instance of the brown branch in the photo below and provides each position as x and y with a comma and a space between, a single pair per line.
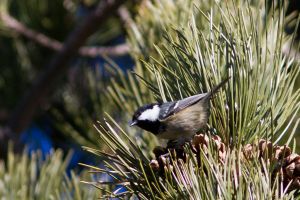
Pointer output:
38, 94
290, 51
118, 50
13, 24
125, 16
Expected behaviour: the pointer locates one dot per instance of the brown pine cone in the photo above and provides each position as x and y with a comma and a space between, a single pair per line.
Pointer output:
287, 164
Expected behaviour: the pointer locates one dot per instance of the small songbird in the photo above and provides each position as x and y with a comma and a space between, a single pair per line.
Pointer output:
176, 119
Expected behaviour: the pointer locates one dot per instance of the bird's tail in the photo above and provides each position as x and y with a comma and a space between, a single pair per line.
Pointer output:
217, 87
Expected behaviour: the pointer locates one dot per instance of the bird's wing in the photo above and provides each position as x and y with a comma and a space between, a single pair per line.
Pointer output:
168, 109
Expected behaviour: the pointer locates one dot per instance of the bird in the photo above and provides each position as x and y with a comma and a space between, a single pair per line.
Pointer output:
176, 120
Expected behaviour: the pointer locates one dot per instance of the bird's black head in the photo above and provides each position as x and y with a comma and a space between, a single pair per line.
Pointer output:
146, 117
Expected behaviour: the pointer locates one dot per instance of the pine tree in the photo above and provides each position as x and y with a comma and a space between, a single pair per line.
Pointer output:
183, 48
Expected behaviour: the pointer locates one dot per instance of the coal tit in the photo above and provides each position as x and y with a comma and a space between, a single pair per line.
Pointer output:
176, 119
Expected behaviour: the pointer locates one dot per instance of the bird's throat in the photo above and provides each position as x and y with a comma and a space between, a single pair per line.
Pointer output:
151, 126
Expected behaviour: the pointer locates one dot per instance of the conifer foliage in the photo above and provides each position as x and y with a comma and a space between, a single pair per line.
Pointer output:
183, 48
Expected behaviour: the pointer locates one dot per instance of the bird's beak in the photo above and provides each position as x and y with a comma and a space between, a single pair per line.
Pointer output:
132, 123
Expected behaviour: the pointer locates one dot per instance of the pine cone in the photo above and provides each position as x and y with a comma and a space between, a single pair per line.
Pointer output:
287, 165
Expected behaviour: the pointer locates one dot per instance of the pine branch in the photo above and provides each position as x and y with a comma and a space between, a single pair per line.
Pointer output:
125, 16
43, 40
45, 82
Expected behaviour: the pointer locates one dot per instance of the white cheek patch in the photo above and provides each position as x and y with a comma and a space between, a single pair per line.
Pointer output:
150, 114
